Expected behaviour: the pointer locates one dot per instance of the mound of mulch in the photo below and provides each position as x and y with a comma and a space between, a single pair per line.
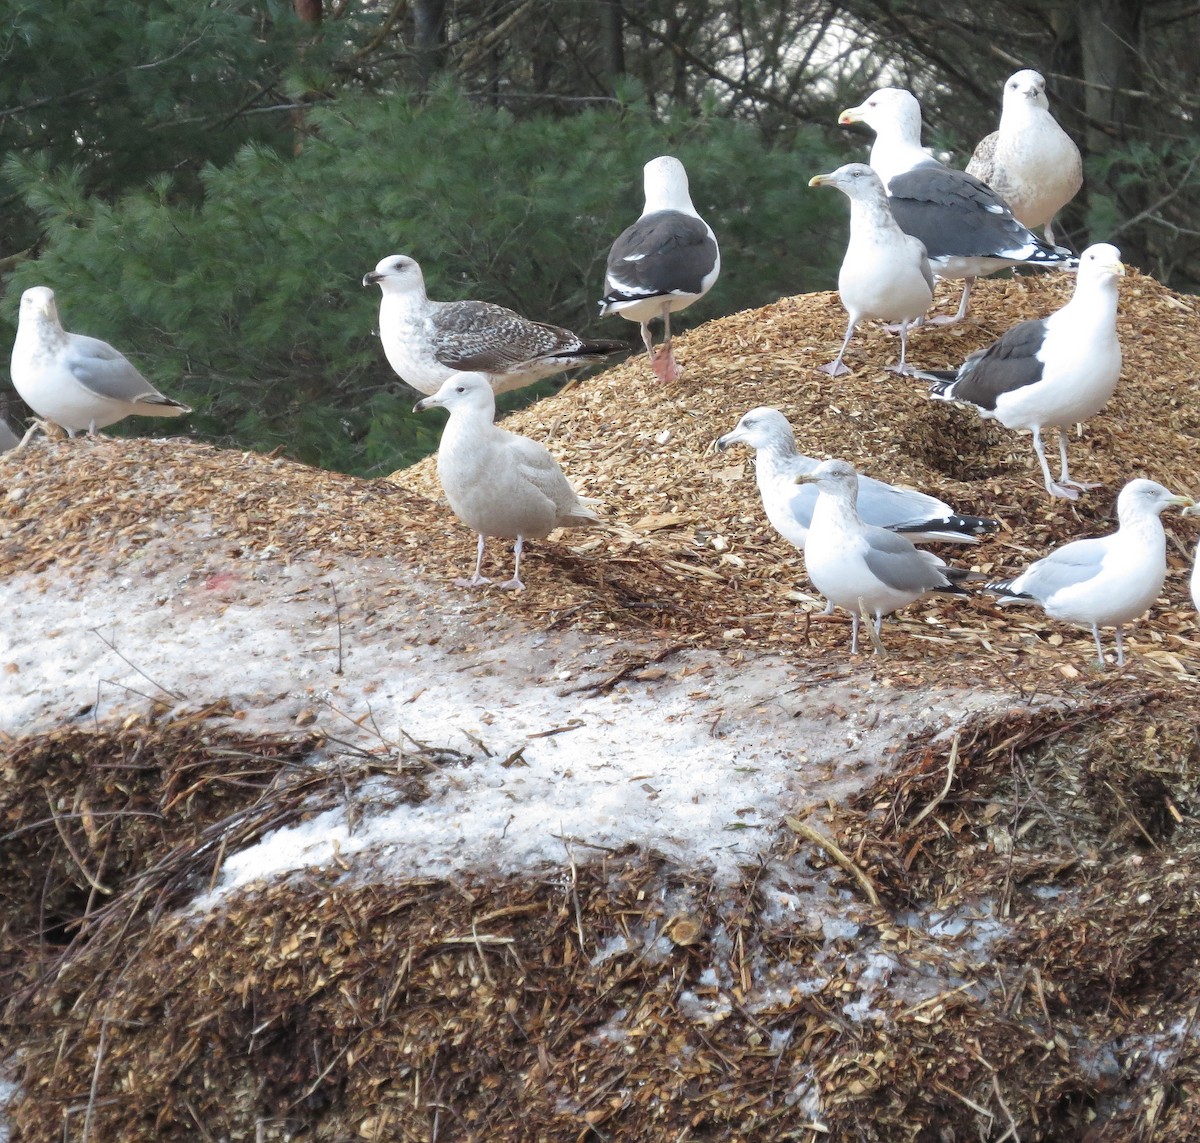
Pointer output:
688, 553
624, 998
1018, 953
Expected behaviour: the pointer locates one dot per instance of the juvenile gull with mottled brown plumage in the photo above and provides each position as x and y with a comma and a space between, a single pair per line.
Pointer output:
426, 341
1031, 162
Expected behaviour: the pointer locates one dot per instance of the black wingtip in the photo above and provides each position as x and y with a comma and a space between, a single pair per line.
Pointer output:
1003, 588
977, 525
952, 526
940, 385
955, 578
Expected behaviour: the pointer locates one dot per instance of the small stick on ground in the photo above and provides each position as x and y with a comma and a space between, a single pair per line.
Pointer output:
945, 789
822, 842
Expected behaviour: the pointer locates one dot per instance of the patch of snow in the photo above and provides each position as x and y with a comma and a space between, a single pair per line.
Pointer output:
838, 929
705, 1010
700, 759
8, 1088
806, 1092
614, 946
874, 978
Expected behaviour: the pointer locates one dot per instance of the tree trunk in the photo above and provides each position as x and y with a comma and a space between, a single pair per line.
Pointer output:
310, 11
429, 38
612, 35
1110, 38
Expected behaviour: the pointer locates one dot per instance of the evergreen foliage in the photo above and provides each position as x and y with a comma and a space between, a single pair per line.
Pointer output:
122, 91
248, 303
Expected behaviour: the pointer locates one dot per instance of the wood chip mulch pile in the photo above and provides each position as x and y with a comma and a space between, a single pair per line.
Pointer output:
689, 554
1027, 891
1034, 872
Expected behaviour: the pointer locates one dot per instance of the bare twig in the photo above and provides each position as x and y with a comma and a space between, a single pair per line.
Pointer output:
945, 789
94, 882
822, 842
154, 683
91, 1103
337, 610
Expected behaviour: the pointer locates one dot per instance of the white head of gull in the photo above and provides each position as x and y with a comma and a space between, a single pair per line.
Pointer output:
426, 341
1054, 371
885, 273
498, 483
968, 230
75, 381
663, 263
1106, 581
859, 567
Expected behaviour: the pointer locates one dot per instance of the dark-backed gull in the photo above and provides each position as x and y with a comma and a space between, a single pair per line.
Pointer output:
1053, 371
662, 263
967, 228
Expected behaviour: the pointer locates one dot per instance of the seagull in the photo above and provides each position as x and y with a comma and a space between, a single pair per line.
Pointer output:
968, 230
885, 273
74, 381
663, 262
1195, 580
1057, 370
865, 569
777, 463
1031, 162
1105, 581
427, 342
498, 483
